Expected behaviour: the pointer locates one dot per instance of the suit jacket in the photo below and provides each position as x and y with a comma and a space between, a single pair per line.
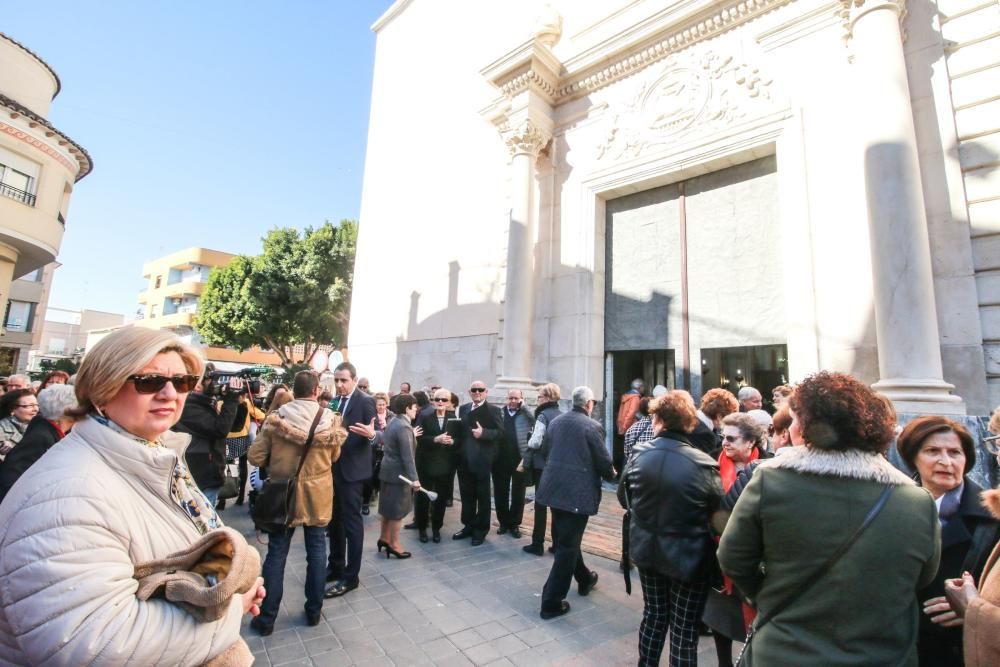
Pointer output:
478, 454
355, 462
433, 458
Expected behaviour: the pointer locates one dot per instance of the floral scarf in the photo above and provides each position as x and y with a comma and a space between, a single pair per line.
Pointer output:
183, 488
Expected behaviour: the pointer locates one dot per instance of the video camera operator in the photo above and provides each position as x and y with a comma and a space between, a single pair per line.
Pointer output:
208, 421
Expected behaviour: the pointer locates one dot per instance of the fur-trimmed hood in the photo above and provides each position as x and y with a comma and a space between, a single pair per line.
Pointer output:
851, 463
991, 501
292, 421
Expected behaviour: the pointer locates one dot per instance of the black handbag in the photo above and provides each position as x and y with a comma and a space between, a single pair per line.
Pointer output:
275, 503
230, 485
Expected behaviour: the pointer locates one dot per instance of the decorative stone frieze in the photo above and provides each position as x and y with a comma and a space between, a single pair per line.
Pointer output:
852, 10
704, 90
526, 139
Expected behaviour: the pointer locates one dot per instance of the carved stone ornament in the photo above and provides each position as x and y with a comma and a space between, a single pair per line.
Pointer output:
548, 26
526, 139
693, 93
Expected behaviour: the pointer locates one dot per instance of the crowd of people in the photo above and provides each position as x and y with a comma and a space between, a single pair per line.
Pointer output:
787, 530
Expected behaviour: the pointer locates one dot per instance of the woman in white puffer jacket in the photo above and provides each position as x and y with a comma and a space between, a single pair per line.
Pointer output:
115, 492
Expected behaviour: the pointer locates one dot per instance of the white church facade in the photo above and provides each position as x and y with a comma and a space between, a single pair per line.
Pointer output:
702, 193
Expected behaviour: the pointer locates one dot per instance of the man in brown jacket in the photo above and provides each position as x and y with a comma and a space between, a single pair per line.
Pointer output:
279, 447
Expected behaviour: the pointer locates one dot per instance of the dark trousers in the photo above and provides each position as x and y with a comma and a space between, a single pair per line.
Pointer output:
541, 512
274, 571
674, 605
618, 452
422, 513
508, 491
347, 530
244, 475
475, 493
567, 534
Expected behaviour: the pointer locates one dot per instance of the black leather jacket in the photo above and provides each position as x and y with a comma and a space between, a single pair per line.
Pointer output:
672, 490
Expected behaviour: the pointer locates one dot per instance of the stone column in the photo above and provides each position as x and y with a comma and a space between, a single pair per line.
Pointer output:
909, 349
525, 142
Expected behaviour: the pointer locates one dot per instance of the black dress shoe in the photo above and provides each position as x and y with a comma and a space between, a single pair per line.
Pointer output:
563, 608
477, 540
462, 534
340, 587
502, 530
260, 628
423, 536
536, 549
588, 586
410, 526
436, 535
313, 619
515, 532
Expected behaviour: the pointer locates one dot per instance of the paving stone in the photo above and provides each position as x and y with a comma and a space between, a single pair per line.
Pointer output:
439, 648
287, 653
457, 660
482, 654
280, 638
492, 630
334, 658
508, 645
466, 639
322, 645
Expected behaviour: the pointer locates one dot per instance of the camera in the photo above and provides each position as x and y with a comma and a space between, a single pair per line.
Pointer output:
220, 382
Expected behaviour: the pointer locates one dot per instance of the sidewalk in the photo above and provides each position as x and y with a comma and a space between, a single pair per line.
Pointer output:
452, 604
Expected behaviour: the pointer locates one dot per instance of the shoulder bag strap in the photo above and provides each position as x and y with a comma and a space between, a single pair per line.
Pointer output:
810, 581
309, 440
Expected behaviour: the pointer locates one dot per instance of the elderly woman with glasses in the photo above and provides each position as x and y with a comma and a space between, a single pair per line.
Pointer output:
115, 493
18, 408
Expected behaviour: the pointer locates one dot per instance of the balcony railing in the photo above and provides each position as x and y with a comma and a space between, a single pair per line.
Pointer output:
17, 194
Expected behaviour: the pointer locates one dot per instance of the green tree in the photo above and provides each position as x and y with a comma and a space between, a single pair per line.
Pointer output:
296, 292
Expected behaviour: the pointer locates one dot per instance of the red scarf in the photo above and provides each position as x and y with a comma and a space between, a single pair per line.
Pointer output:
55, 425
727, 469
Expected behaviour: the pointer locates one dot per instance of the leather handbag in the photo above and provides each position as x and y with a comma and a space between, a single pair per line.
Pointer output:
230, 485
275, 504
810, 581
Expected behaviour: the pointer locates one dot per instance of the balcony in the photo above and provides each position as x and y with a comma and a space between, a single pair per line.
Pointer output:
16, 194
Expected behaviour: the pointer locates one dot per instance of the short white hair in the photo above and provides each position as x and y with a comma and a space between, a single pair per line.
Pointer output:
761, 417
747, 392
659, 390
54, 400
582, 396
24, 379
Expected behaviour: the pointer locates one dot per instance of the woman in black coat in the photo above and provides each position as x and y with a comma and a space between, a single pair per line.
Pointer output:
47, 428
670, 490
436, 460
942, 452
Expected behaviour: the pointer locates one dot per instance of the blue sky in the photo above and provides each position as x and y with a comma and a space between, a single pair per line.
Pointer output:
209, 123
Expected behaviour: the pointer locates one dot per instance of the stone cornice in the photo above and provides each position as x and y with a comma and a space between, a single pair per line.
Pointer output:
17, 110
394, 10
620, 60
530, 66
37, 58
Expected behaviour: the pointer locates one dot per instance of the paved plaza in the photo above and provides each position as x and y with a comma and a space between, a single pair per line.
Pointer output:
452, 604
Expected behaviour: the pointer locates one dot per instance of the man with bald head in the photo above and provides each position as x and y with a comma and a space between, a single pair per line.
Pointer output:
509, 485
750, 399
475, 464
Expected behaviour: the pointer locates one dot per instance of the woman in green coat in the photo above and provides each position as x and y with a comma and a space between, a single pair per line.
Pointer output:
801, 507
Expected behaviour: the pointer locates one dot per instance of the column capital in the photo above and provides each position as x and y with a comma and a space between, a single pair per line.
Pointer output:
852, 10
526, 138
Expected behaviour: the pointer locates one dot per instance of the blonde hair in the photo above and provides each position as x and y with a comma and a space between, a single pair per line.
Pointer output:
122, 353
281, 399
994, 426
551, 390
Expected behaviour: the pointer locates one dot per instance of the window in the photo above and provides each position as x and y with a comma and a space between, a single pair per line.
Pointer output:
159, 279
33, 277
57, 346
152, 311
17, 185
19, 315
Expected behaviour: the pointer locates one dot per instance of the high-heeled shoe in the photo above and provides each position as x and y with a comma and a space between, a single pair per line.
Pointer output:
380, 544
389, 551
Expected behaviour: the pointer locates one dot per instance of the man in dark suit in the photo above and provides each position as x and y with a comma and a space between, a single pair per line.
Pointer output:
346, 530
475, 464
576, 460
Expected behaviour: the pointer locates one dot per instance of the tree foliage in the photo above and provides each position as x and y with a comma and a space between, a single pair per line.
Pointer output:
297, 291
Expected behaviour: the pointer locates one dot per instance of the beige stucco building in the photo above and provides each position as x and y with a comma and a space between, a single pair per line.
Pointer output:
175, 284
703, 193
39, 166
63, 334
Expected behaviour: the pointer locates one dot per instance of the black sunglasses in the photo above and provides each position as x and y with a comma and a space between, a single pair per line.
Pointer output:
476, 390
440, 400
731, 438
152, 383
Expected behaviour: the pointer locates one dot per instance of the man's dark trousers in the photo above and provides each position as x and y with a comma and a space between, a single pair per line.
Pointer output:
509, 489
475, 493
567, 535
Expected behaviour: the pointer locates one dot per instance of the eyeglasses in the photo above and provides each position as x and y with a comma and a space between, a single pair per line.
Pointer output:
363, 387
29, 405
992, 444
732, 438
440, 400
477, 390
152, 383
